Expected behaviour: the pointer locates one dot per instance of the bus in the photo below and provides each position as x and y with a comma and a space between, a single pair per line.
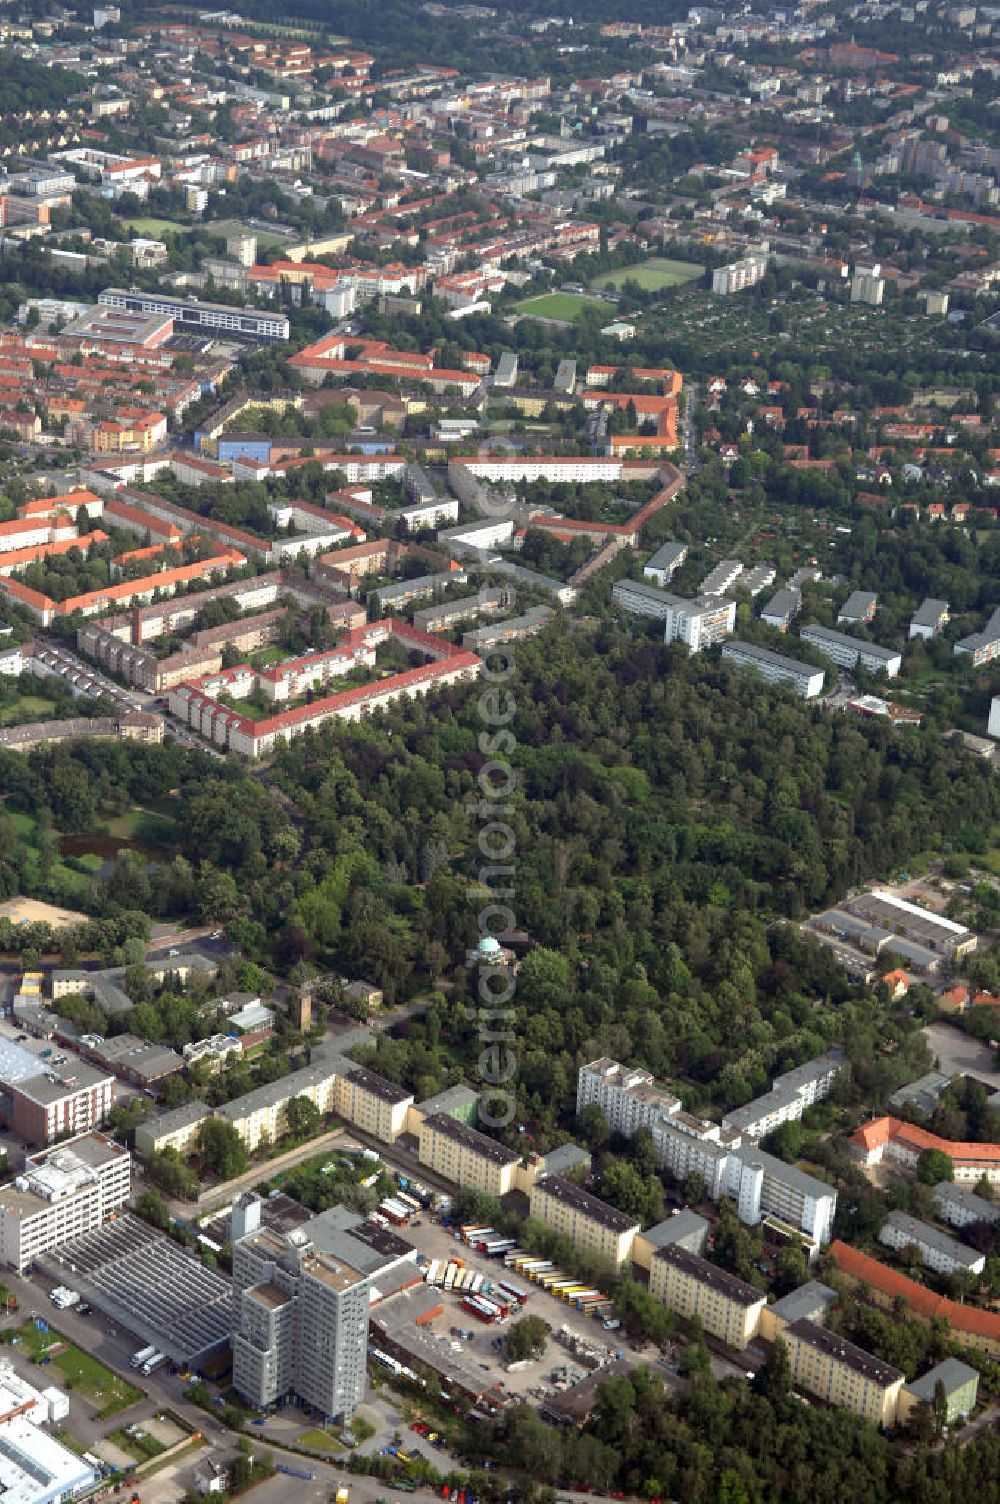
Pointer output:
477, 1283
496, 1246
461, 1280
570, 1294
449, 1276
514, 1291
407, 1200
434, 1272
510, 1259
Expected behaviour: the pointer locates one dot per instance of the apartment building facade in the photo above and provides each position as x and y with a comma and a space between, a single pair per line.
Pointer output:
372, 1103
727, 1307
73, 1099
465, 1156
775, 668
834, 1370
590, 1224
938, 1250
849, 651
62, 1192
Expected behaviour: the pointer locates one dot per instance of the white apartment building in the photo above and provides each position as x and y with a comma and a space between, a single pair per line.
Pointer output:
625, 1094
849, 651
738, 275
698, 623
726, 1157
63, 1192
774, 668
938, 1250
789, 1096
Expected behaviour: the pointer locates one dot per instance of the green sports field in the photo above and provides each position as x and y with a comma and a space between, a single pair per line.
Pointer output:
155, 229
565, 306
652, 275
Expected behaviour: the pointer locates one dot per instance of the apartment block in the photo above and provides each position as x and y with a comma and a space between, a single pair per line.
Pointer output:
61, 1193
738, 275
836, 1371
849, 651
727, 1307
465, 1156
726, 1156
782, 609
961, 1208
177, 1129
301, 1302
859, 607
938, 1250
775, 668
929, 618
625, 1094
661, 566
261, 1113
372, 1103
790, 1095
591, 1225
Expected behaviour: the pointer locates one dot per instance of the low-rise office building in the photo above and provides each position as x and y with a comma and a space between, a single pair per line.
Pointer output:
62, 1192
727, 1307
836, 1371
849, 651
465, 1156
804, 679
938, 1250
590, 1224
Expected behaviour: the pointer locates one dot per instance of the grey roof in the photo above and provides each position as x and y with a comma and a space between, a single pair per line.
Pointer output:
929, 613
819, 635
922, 1093
783, 605
176, 1118
857, 605
362, 1245
968, 1206
926, 1236
749, 652
807, 1303
667, 556
566, 1157
683, 1225
275, 1091
378, 1086
706, 1273
452, 1099
128, 1051
951, 1372
592, 1207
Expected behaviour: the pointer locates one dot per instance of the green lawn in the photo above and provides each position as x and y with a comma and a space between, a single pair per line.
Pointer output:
652, 275
318, 1441
264, 657
155, 229
26, 708
266, 239
106, 1391
565, 306
149, 826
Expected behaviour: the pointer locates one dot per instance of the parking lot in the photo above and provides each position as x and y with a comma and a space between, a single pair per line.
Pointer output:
440, 1243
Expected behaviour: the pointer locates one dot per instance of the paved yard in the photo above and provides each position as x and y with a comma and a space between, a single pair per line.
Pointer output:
957, 1054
